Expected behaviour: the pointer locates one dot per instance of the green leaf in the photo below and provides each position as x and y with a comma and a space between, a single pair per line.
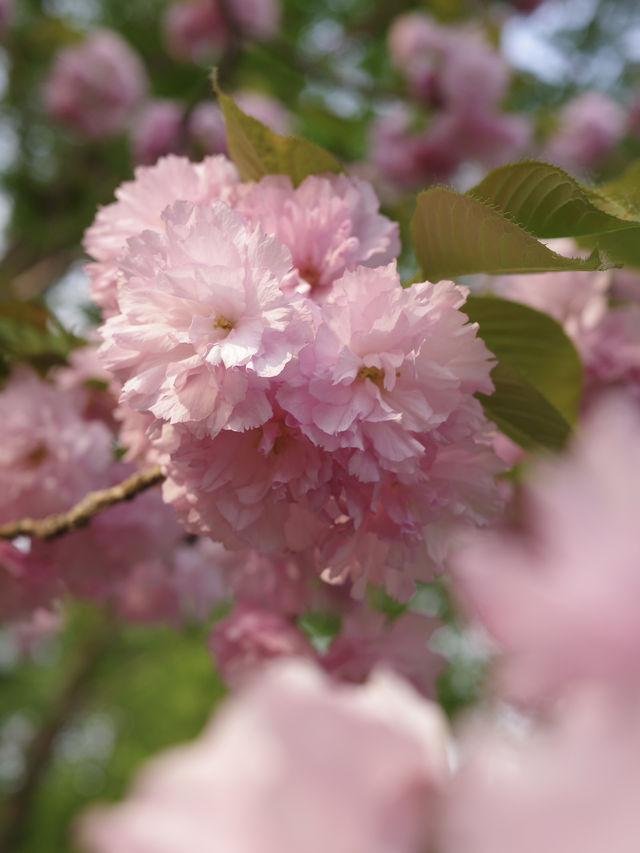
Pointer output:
456, 234
534, 345
548, 202
257, 151
320, 626
522, 413
622, 195
381, 601
623, 247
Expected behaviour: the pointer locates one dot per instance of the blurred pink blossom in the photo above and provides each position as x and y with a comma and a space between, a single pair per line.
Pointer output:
98, 562
28, 581
196, 29
249, 637
367, 640
7, 12
625, 284
450, 67
560, 599
206, 128
294, 764
281, 584
608, 339
193, 29
93, 87
569, 785
612, 352
589, 128
50, 456
526, 5
157, 130
258, 19
409, 157
576, 299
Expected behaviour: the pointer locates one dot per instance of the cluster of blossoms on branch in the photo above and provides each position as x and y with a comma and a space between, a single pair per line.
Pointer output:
302, 401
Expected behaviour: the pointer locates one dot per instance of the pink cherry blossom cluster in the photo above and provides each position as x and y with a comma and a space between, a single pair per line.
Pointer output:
460, 79
303, 401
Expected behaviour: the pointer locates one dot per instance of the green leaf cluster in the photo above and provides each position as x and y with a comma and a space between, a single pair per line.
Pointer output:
497, 227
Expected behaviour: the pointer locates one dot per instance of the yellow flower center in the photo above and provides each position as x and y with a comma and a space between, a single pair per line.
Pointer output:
375, 374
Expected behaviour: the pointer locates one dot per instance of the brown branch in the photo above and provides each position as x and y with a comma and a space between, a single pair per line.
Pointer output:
82, 513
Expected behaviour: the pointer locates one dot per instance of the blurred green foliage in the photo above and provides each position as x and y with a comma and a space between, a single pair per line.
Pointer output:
142, 689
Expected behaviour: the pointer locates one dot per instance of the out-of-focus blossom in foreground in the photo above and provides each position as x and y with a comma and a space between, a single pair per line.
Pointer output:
570, 785
295, 764
561, 600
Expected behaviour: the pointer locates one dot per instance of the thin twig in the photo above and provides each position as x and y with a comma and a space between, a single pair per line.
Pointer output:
82, 513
